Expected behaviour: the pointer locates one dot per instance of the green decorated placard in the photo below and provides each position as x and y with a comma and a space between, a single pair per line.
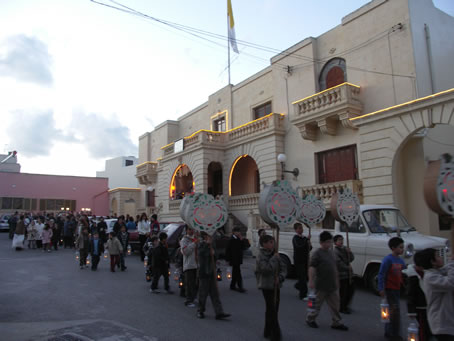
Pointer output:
312, 211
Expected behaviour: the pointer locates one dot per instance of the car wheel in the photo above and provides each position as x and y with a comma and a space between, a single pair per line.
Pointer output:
372, 279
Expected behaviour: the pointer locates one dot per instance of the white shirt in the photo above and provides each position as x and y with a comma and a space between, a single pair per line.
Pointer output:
143, 226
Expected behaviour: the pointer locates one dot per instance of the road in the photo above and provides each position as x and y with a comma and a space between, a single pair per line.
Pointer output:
45, 296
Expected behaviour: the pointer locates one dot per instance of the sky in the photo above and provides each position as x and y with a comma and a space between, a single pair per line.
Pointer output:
80, 82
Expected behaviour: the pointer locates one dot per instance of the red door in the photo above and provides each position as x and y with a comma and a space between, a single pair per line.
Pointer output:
337, 165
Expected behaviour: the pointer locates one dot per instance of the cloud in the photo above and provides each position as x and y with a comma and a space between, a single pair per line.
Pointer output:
33, 133
103, 137
27, 59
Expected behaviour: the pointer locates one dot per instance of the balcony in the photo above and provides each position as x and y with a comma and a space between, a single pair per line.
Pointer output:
174, 205
326, 191
270, 124
322, 111
147, 173
245, 201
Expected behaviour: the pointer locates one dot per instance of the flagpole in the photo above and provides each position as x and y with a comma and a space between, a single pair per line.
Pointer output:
228, 43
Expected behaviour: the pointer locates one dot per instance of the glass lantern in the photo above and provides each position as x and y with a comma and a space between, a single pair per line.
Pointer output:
219, 274
145, 261
106, 255
77, 255
87, 262
180, 281
129, 250
229, 273
413, 332
384, 311
311, 298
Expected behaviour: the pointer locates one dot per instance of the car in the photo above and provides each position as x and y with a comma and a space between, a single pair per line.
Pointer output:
4, 226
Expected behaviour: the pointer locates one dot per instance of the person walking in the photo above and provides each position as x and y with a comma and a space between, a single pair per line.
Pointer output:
143, 226
270, 273
83, 245
344, 257
301, 249
207, 279
47, 237
31, 234
96, 250
189, 250
114, 248
154, 225
123, 237
234, 255
19, 233
160, 265
323, 278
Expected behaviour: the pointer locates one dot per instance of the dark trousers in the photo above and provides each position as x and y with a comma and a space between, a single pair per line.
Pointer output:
346, 291
83, 257
236, 277
301, 284
39, 244
444, 337
272, 329
392, 329
142, 240
12, 229
68, 241
114, 260
55, 242
424, 328
122, 261
190, 284
95, 261
209, 286
157, 273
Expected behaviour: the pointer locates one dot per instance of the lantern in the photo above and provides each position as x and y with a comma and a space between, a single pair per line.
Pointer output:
311, 298
145, 261
148, 277
176, 276
219, 274
77, 255
412, 332
384, 311
229, 273
129, 250
180, 281
87, 262
106, 255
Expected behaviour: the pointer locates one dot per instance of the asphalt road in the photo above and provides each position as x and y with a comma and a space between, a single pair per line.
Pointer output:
45, 296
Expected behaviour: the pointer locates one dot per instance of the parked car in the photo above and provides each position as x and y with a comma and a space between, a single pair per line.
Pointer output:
369, 238
4, 226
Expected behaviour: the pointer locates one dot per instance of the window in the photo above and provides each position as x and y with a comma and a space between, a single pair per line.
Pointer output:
333, 73
262, 110
129, 163
219, 124
338, 164
18, 203
7, 203
150, 198
355, 227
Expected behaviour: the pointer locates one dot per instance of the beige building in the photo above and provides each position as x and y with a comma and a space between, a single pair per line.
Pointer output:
365, 105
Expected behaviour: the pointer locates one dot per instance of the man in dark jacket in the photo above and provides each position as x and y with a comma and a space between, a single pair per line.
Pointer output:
301, 248
96, 250
160, 264
123, 237
344, 257
102, 229
234, 255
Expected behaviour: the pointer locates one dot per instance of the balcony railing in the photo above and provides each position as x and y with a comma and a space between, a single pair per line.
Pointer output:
147, 173
174, 205
244, 201
326, 191
324, 109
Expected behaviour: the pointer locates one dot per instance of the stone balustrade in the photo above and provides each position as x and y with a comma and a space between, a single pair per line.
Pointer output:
146, 173
326, 191
244, 201
174, 205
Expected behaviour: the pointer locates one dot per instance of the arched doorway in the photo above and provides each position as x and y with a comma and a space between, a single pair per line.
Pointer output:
244, 176
215, 179
334, 72
130, 207
181, 183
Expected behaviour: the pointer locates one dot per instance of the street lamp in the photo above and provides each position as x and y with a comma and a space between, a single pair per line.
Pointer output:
282, 158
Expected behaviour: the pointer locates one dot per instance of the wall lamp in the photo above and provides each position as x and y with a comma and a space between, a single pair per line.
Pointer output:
282, 158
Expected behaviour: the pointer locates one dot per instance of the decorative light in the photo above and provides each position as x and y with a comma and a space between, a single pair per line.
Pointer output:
88, 260
229, 273
219, 274
282, 158
145, 261
105, 254
129, 250
413, 332
77, 255
384, 311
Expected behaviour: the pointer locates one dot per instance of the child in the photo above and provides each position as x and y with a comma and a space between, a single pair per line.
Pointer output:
123, 237
46, 237
324, 279
389, 284
439, 289
207, 278
96, 249
115, 249
189, 252
344, 257
269, 269
83, 245
160, 265
301, 248
31, 236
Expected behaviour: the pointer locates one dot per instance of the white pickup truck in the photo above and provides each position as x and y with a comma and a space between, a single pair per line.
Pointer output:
369, 240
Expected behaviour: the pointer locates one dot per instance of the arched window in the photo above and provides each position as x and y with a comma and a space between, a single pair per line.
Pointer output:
333, 73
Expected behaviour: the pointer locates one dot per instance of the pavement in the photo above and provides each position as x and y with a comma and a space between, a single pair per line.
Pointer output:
45, 296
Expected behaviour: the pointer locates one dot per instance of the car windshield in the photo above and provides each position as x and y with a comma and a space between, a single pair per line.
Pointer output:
386, 221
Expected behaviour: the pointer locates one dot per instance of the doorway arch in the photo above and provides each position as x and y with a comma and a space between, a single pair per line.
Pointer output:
244, 176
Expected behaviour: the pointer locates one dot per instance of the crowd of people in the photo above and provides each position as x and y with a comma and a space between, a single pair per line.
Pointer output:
324, 274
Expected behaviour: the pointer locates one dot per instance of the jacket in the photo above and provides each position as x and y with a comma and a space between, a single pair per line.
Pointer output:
114, 246
46, 235
439, 289
160, 257
234, 251
82, 242
206, 265
189, 250
301, 248
143, 227
124, 239
343, 261
100, 246
20, 227
267, 268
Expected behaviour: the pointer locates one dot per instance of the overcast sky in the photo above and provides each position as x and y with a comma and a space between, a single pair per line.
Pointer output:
80, 82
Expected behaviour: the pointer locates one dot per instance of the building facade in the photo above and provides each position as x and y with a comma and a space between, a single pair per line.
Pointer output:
365, 105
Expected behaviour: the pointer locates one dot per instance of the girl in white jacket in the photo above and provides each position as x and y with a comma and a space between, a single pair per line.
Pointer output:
143, 226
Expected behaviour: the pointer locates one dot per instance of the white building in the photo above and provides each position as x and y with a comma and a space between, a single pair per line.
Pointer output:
8, 163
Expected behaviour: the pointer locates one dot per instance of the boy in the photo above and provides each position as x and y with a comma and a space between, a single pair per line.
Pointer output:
96, 249
389, 283
207, 279
123, 237
114, 247
160, 265
270, 272
344, 257
301, 248
439, 289
323, 278
83, 245
189, 251
234, 255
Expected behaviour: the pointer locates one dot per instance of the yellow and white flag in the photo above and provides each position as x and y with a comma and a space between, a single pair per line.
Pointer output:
232, 38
